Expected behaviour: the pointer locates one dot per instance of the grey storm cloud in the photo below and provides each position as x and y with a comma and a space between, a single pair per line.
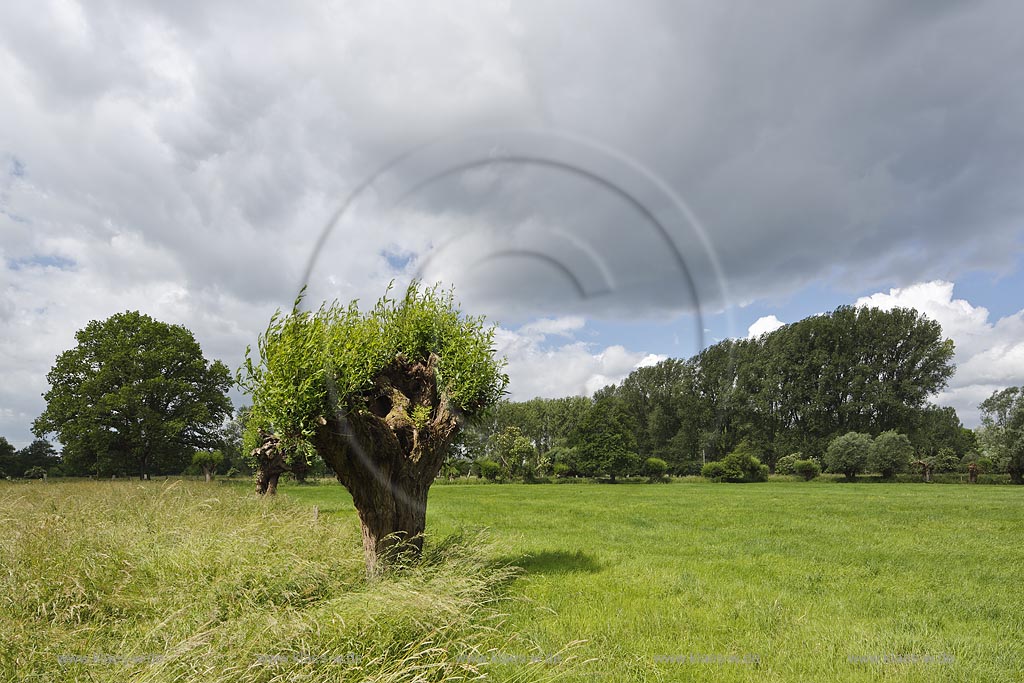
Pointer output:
865, 142
184, 157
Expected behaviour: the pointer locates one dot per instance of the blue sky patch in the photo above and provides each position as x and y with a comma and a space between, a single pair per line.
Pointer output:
17, 167
42, 261
398, 260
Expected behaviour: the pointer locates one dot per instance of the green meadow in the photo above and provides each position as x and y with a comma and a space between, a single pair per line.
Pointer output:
782, 581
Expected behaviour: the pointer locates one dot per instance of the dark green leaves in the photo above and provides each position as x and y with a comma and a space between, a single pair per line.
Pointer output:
134, 395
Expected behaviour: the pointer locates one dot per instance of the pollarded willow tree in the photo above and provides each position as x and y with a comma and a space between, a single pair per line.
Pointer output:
379, 396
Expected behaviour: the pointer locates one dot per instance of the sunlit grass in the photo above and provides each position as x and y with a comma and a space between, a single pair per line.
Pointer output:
784, 581
181, 581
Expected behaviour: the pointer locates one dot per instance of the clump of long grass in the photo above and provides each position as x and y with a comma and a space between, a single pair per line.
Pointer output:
107, 581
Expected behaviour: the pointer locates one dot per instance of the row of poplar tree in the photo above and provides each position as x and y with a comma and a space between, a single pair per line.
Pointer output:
791, 390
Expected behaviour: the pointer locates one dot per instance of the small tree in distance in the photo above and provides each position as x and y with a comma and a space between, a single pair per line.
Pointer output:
891, 453
849, 454
514, 452
208, 461
808, 469
655, 469
946, 460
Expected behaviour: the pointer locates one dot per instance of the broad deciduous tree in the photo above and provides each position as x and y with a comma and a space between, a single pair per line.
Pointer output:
135, 394
604, 440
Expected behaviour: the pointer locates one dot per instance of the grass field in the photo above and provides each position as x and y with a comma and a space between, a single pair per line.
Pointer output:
784, 581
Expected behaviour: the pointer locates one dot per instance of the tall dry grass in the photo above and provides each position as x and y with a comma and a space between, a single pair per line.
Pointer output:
106, 581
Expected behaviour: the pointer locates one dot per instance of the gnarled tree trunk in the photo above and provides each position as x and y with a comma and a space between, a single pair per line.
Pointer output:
388, 454
270, 464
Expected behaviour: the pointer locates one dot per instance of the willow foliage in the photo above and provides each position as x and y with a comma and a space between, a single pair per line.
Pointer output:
314, 363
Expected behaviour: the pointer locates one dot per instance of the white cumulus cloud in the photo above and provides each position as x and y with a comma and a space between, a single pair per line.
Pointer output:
764, 324
536, 368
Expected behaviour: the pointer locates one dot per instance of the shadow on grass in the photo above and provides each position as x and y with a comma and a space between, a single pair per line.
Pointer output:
554, 562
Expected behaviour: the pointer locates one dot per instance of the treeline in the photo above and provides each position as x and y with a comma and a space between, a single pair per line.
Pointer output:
34, 461
41, 459
790, 391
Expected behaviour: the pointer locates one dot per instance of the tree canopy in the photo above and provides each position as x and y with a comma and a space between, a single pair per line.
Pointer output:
134, 396
603, 441
1002, 432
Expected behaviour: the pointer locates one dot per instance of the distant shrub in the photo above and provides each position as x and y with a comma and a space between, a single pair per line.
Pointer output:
739, 466
714, 470
489, 469
36, 472
786, 463
808, 469
561, 469
655, 469
232, 472
891, 453
849, 454
687, 468
946, 460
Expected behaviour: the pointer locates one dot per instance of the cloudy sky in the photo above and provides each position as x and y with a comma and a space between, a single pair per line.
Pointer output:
612, 182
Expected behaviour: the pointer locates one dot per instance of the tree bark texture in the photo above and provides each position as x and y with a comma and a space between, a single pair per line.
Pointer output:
388, 453
270, 464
